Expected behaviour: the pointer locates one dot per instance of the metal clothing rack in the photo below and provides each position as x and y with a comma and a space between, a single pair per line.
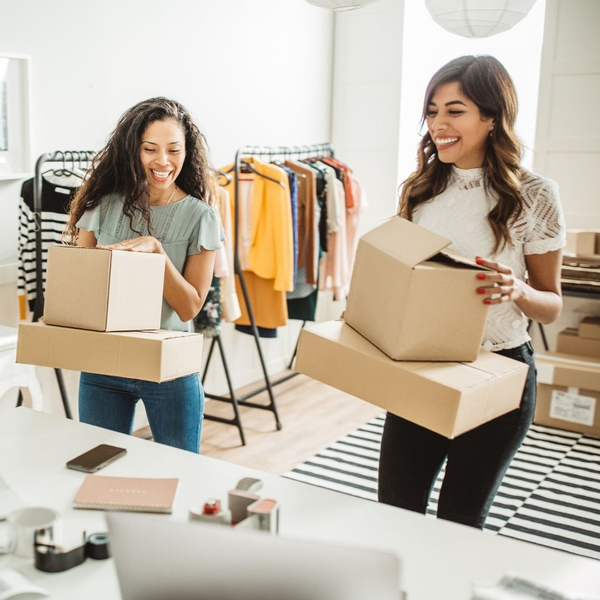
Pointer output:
314, 150
76, 158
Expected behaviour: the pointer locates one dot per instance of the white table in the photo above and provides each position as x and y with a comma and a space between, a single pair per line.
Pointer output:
439, 559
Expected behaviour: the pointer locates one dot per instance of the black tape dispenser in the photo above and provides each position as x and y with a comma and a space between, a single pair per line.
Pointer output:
54, 559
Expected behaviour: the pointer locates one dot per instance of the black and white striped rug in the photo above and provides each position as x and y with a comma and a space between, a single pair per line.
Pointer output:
550, 494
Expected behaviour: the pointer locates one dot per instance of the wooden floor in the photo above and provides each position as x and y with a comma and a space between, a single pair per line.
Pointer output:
312, 415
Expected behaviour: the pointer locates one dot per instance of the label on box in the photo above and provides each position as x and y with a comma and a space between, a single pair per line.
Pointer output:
569, 406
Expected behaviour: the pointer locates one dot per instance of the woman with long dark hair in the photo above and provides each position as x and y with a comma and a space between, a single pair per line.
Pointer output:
469, 186
148, 191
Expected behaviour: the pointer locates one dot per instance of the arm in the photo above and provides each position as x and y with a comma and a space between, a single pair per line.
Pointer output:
86, 238
540, 299
186, 292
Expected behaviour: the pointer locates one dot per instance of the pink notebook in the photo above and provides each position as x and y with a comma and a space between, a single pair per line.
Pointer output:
127, 493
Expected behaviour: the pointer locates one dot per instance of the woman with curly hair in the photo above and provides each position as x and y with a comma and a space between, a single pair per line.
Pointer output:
148, 191
470, 187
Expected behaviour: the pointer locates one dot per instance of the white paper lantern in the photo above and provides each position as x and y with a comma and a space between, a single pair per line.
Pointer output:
478, 18
341, 5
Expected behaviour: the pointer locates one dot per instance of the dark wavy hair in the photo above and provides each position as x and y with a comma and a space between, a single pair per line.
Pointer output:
485, 81
118, 167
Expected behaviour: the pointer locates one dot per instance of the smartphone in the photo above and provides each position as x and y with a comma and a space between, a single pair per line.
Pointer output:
95, 459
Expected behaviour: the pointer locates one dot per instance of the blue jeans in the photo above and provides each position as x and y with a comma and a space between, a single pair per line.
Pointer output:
175, 408
412, 456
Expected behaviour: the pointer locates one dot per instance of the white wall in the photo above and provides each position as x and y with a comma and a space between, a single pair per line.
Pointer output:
249, 72
366, 101
568, 135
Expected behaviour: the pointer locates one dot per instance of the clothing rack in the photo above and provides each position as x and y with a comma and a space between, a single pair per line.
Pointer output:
314, 150
74, 159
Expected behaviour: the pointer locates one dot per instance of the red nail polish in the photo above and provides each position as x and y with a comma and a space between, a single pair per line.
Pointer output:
487, 301
480, 276
479, 260
481, 291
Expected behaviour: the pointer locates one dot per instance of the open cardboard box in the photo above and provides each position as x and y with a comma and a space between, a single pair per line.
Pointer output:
568, 392
148, 355
448, 398
103, 290
413, 299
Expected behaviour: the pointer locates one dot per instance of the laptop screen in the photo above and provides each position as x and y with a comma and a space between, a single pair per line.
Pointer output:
158, 559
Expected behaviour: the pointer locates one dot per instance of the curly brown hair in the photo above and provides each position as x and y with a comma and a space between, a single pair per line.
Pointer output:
117, 168
485, 81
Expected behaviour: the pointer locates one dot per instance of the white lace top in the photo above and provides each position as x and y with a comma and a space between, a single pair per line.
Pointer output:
460, 214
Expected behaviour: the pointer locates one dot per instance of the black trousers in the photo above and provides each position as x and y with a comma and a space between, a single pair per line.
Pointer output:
412, 456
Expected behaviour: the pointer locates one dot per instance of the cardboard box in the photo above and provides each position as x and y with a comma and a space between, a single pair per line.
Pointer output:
590, 328
580, 241
570, 343
568, 393
448, 398
148, 355
103, 290
413, 301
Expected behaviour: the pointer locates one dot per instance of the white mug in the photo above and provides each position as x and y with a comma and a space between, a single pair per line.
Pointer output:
28, 525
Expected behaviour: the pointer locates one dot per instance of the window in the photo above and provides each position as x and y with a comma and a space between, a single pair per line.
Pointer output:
427, 47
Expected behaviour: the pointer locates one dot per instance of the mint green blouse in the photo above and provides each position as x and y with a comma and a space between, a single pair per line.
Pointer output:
184, 228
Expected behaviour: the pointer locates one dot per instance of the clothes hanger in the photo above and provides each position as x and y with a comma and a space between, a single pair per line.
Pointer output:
64, 171
226, 176
246, 167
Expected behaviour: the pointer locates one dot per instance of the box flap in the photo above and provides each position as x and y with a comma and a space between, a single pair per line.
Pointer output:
405, 241
460, 260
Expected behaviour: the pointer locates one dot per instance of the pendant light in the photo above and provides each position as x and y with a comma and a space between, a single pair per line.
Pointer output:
341, 5
478, 18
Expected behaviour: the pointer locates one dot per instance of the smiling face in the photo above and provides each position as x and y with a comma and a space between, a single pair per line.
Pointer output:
162, 153
457, 127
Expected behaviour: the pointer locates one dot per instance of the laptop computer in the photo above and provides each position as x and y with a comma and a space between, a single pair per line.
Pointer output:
162, 560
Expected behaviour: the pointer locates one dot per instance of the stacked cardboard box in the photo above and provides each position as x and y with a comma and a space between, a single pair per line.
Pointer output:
583, 241
102, 315
570, 341
412, 300
568, 392
569, 380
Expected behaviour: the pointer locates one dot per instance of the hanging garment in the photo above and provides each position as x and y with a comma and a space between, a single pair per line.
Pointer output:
230, 304
303, 309
335, 267
346, 178
321, 185
335, 209
265, 242
56, 197
352, 221
208, 320
308, 232
294, 206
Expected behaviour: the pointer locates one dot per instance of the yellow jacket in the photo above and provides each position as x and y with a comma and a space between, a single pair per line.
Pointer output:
272, 250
